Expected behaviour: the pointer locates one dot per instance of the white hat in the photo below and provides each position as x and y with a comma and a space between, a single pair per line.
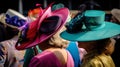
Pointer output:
12, 12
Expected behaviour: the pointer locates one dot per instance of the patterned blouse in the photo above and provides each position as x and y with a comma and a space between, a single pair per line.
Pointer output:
9, 56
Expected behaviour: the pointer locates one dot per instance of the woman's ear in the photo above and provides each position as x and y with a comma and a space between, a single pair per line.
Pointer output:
110, 47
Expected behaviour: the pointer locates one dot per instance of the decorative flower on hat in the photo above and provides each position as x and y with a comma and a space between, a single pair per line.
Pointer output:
34, 13
75, 23
41, 29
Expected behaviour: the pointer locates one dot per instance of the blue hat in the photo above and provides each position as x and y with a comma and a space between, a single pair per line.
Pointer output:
90, 26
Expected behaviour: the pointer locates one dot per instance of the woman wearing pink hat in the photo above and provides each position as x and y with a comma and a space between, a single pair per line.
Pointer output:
44, 32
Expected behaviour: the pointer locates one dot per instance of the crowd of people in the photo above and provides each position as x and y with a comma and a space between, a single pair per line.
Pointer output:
52, 37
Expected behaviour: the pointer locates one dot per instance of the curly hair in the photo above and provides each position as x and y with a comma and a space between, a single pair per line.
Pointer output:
57, 41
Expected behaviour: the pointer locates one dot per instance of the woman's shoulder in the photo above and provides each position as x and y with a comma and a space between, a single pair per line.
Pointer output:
92, 62
51, 53
102, 60
60, 53
46, 58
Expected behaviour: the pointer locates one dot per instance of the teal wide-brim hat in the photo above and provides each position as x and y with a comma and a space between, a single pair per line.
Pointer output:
90, 26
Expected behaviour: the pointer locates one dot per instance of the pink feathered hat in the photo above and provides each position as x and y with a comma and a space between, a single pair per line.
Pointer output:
48, 23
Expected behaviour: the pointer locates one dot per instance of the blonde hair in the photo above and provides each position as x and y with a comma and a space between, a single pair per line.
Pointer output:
2, 18
57, 41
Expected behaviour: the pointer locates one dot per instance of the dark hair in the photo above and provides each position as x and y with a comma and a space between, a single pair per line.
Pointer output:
11, 32
2, 33
7, 32
102, 44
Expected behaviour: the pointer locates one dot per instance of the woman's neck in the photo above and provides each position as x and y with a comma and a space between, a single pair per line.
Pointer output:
43, 46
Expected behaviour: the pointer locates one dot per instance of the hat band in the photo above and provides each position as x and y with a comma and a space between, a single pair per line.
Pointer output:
96, 27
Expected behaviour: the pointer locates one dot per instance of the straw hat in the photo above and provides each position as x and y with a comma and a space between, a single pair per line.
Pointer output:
13, 19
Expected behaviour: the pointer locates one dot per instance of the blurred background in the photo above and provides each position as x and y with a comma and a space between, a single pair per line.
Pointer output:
24, 5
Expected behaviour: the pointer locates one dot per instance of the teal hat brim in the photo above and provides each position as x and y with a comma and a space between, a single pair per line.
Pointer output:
110, 30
